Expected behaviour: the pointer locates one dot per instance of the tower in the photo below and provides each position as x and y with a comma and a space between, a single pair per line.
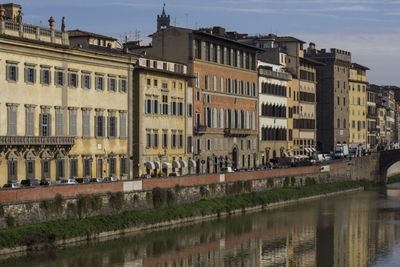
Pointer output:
163, 20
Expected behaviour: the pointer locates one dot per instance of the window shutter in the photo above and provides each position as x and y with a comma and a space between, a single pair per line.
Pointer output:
109, 84
115, 126
41, 124
25, 74
103, 125
7, 73
16, 73
169, 109
30, 125
49, 124
95, 126
108, 126
63, 78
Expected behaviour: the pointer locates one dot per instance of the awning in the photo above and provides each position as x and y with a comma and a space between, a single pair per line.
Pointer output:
176, 164
183, 163
157, 164
313, 150
306, 149
285, 154
149, 165
192, 163
166, 165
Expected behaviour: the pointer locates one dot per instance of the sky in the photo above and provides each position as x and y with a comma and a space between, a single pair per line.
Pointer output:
370, 29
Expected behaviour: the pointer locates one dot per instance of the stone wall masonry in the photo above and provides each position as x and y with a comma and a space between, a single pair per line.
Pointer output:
111, 198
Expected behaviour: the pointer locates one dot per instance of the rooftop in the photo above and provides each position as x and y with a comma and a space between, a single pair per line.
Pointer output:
80, 33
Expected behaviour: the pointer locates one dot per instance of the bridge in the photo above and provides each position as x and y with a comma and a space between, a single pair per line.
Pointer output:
375, 166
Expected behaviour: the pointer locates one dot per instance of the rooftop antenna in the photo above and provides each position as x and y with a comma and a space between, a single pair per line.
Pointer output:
137, 35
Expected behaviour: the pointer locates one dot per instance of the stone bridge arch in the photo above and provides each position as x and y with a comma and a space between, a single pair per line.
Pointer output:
386, 160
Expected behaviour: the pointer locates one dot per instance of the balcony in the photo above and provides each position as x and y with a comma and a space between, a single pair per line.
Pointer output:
275, 74
231, 132
200, 130
32, 32
37, 141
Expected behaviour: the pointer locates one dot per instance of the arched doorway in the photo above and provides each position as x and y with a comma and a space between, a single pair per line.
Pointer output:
234, 158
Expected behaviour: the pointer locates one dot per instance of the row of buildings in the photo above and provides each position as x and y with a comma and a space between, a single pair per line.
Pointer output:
80, 104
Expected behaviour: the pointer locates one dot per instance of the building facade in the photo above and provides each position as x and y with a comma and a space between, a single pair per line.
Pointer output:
224, 94
273, 111
288, 52
358, 107
63, 111
372, 133
332, 96
162, 127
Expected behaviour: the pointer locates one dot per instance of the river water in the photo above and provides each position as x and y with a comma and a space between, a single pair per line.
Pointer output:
357, 229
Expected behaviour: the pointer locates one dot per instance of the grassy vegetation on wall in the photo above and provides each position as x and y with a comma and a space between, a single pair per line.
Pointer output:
394, 179
57, 230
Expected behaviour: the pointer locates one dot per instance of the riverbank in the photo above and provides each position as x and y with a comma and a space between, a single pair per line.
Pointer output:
62, 232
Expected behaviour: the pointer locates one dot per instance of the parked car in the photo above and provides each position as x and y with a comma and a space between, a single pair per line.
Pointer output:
113, 179
49, 183
30, 183
83, 180
145, 176
227, 170
69, 181
175, 174
97, 180
12, 185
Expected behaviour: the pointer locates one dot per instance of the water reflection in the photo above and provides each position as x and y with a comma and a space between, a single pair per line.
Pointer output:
359, 229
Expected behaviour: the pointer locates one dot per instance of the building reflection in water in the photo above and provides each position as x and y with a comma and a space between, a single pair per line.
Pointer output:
343, 231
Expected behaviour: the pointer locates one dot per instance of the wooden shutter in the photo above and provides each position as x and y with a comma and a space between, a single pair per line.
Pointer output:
96, 126
103, 126
72, 124
109, 126
29, 123
49, 124
25, 74
122, 126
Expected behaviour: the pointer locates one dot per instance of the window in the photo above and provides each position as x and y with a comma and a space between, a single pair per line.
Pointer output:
148, 106
207, 82
29, 122
112, 166
45, 77
87, 167
12, 167
180, 140
72, 123
12, 120
112, 84
164, 85
59, 169
30, 169
165, 140
123, 166
30, 75
85, 123
254, 93
99, 83
86, 81
122, 85
197, 83
180, 109
73, 80
59, 78
148, 140
155, 83
173, 140
45, 124
189, 144
148, 82
155, 141
59, 122
190, 110
73, 168
215, 83
344, 123
222, 84
99, 125
165, 106
112, 126
198, 97
338, 123
45, 169
12, 72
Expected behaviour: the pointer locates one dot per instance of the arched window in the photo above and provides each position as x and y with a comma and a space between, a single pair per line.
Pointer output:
221, 118
233, 118
239, 119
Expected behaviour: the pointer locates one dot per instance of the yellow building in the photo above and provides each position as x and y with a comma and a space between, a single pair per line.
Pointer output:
63, 110
162, 118
358, 107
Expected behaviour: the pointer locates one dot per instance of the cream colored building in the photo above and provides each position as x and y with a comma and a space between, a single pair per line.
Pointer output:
358, 107
63, 110
162, 119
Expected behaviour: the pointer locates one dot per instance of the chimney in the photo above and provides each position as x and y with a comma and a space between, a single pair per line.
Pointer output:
219, 31
311, 46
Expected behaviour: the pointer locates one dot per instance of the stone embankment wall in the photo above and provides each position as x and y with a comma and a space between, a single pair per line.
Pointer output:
35, 205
